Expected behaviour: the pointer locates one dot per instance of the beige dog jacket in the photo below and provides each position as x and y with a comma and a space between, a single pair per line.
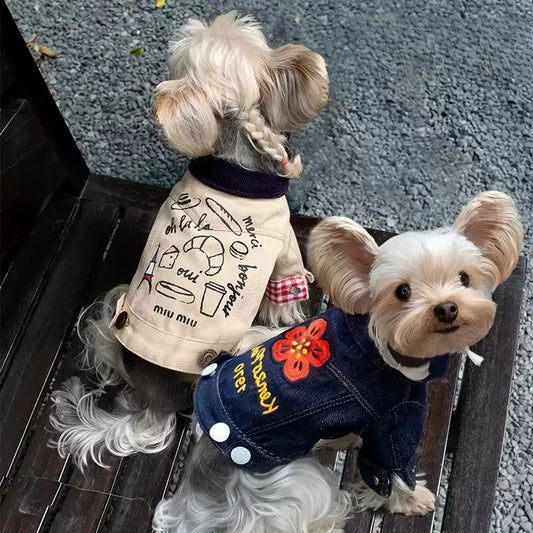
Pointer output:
210, 258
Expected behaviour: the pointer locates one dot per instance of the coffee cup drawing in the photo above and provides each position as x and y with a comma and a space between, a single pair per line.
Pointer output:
212, 297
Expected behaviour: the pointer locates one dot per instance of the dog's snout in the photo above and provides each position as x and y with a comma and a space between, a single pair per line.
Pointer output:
446, 312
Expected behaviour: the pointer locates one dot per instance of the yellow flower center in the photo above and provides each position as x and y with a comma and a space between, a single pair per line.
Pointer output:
297, 347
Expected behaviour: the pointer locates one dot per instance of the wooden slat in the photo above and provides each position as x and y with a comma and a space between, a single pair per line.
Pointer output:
141, 478
359, 522
35, 357
124, 193
129, 516
482, 415
42, 461
28, 510
24, 280
75, 512
25, 156
8, 78
39, 477
434, 438
20, 133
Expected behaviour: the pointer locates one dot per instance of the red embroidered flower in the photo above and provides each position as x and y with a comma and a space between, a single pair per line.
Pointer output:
301, 348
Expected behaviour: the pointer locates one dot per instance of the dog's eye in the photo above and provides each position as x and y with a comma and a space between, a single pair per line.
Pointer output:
403, 292
464, 279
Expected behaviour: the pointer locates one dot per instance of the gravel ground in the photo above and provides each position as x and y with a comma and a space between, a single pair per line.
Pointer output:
431, 102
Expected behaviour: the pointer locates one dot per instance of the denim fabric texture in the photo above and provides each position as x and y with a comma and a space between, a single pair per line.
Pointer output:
278, 403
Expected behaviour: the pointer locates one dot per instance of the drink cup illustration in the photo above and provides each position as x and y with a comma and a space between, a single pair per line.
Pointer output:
212, 297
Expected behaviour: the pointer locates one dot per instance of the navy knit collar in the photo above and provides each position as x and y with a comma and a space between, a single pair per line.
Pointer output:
406, 360
358, 328
233, 179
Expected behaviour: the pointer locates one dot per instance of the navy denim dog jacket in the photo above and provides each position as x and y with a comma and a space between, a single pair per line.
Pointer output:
320, 380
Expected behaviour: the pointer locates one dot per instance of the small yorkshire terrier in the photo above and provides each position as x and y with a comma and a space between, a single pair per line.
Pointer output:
221, 249
359, 369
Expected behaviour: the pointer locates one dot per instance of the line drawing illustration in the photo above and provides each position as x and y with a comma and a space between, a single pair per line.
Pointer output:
185, 202
175, 292
238, 249
168, 259
212, 298
224, 215
149, 272
212, 248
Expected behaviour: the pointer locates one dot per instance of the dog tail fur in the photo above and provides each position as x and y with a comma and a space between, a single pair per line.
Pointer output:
86, 431
102, 353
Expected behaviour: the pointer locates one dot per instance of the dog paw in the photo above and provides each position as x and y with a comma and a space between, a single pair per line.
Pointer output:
420, 502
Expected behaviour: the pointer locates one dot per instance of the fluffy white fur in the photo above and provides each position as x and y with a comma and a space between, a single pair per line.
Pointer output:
302, 497
88, 432
102, 353
276, 315
226, 77
402, 499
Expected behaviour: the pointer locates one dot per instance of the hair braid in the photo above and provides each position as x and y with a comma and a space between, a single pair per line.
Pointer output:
271, 143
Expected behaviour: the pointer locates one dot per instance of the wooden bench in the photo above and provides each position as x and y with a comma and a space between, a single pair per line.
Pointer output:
68, 236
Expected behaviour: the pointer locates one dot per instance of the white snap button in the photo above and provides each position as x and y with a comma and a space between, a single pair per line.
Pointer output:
375, 479
219, 432
295, 290
209, 370
198, 431
240, 455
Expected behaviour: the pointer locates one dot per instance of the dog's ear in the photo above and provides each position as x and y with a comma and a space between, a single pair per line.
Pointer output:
187, 118
490, 220
294, 87
341, 254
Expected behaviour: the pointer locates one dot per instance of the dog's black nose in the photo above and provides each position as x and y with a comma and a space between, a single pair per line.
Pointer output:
446, 312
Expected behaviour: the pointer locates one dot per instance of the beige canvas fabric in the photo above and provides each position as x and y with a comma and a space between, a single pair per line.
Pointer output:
203, 274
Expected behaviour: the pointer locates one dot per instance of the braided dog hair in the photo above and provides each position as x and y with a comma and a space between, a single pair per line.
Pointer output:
232, 96
271, 143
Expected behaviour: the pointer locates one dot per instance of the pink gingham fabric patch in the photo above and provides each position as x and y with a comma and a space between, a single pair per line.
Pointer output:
287, 290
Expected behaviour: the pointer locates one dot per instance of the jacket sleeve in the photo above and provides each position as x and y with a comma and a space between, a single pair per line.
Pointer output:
288, 281
389, 447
